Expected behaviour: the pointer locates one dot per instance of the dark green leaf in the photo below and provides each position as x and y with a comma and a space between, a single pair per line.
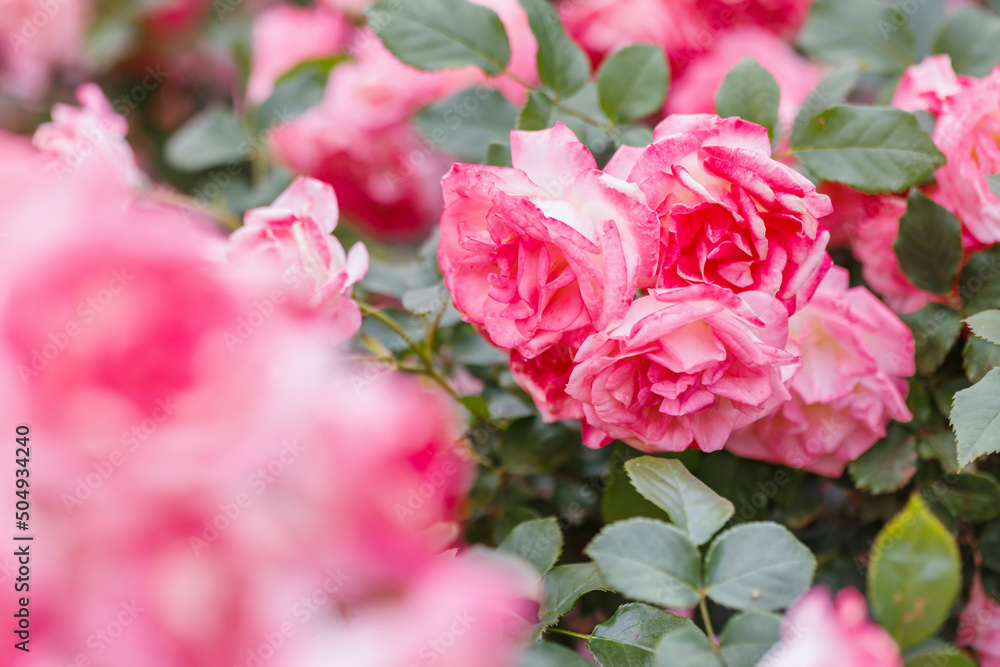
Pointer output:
547, 654
562, 67
986, 324
873, 149
989, 546
294, 93
970, 36
973, 497
649, 560
539, 542
693, 507
979, 282
914, 575
831, 91
210, 138
621, 500
498, 155
936, 654
935, 329
750, 92
747, 637
442, 34
944, 449
870, 34
889, 465
976, 419
630, 637
688, 646
929, 244
538, 112
469, 121
563, 587
632, 82
757, 566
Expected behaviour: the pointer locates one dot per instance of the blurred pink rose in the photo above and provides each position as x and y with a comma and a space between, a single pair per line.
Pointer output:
544, 252
286, 35
544, 377
38, 38
684, 29
694, 91
979, 625
92, 131
685, 367
730, 215
927, 85
854, 353
295, 233
967, 132
824, 631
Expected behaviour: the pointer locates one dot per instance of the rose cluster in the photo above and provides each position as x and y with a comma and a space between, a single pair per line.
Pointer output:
680, 297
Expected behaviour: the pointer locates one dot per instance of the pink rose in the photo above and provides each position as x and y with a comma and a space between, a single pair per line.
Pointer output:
92, 131
295, 232
979, 625
927, 85
545, 377
730, 215
684, 29
547, 251
33, 47
685, 367
966, 132
286, 35
694, 91
820, 631
855, 353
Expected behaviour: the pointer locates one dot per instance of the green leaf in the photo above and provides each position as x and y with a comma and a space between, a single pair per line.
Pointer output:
758, 566
935, 329
498, 155
929, 244
632, 82
873, 149
936, 654
976, 419
562, 67
547, 654
477, 405
750, 92
538, 112
621, 500
915, 574
942, 446
629, 638
649, 560
889, 465
637, 135
872, 35
294, 92
986, 324
469, 121
979, 357
539, 542
972, 497
831, 91
688, 646
692, 506
442, 34
324, 65
747, 637
563, 587
989, 546
970, 36
979, 282
211, 137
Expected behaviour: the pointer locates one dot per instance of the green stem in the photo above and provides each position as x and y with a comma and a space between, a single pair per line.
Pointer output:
586, 118
569, 633
706, 619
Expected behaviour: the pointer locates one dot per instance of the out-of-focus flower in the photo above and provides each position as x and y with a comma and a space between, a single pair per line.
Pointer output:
967, 131
295, 234
730, 215
824, 631
683, 29
926, 86
854, 353
979, 625
694, 91
544, 252
286, 35
90, 132
685, 367
37, 39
